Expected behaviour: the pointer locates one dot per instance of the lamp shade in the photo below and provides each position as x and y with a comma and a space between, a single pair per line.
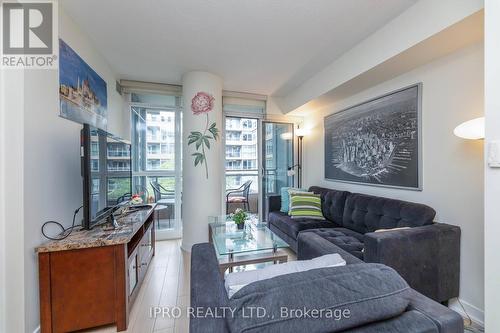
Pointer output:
472, 129
300, 132
290, 173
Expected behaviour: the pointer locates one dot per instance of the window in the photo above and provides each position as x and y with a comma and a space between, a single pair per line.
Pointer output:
95, 186
249, 123
94, 149
153, 132
248, 137
233, 165
233, 135
153, 148
233, 123
118, 166
160, 140
233, 151
117, 150
241, 152
269, 148
153, 164
156, 138
249, 164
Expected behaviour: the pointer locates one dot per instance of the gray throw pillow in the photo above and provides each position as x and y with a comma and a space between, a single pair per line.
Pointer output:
320, 300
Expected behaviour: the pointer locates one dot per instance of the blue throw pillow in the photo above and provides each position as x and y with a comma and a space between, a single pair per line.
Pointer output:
285, 198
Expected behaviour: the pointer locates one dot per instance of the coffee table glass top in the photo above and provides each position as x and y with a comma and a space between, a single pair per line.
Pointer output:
228, 239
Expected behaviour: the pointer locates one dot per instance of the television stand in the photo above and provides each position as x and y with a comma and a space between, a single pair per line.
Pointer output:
92, 277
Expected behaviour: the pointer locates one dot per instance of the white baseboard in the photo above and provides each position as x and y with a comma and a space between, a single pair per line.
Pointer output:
476, 314
37, 330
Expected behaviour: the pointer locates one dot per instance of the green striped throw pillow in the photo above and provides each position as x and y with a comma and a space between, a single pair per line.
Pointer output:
305, 206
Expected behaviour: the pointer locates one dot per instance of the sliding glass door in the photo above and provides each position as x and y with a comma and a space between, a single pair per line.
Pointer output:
277, 157
242, 160
251, 143
156, 151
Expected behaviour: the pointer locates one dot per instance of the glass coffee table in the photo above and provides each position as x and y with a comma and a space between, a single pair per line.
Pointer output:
254, 244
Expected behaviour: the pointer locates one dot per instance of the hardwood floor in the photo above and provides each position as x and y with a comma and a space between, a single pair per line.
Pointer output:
166, 285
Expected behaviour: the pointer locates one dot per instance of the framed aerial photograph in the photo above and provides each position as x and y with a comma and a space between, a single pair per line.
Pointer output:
377, 142
83, 96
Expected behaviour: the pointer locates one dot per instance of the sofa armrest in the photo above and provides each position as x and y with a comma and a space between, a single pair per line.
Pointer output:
311, 245
207, 290
427, 257
447, 320
274, 203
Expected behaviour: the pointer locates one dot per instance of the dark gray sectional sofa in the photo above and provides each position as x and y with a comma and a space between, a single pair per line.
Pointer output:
427, 255
378, 299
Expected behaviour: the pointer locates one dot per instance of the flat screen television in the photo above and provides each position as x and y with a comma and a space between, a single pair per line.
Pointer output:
106, 172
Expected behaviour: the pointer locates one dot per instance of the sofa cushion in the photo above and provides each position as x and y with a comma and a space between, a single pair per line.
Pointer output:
366, 213
292, 227
332, 203
358, 294
305, 205
285, 197
410, 321
348, 240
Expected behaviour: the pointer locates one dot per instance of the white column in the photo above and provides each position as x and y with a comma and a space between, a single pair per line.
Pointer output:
202, 184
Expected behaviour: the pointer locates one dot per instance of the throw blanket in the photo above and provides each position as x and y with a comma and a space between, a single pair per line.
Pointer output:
236, 281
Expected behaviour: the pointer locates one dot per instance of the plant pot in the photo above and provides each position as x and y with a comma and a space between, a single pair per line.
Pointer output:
240, 226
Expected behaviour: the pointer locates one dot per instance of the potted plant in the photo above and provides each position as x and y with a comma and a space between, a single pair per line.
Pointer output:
239, 218
136, 199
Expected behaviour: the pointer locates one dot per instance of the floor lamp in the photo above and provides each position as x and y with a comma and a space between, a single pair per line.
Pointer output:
291, 172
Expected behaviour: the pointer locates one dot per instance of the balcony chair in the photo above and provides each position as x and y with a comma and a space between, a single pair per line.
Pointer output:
239, 196
143, 191
164, 199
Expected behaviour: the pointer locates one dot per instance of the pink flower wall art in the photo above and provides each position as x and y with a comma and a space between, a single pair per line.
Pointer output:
203, 103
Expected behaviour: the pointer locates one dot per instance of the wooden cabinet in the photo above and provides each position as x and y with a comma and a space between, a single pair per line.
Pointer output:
133, 272
89, 287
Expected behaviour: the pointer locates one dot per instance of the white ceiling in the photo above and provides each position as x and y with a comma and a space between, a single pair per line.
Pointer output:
261, 46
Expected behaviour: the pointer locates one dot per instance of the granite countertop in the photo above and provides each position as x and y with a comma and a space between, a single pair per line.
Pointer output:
101, 235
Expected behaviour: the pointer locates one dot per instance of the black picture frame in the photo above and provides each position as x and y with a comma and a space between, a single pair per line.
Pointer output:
377, 142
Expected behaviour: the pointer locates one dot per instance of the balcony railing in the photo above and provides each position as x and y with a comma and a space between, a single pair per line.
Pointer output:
236, 178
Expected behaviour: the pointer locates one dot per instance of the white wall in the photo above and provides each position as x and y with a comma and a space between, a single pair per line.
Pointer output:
2, 204
492, 176
452, 167
11, 161
51, 178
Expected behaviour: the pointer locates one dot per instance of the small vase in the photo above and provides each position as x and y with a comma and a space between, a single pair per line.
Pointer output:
240, 226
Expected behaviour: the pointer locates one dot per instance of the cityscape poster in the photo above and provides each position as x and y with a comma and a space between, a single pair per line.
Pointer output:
82, 92
376, 142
